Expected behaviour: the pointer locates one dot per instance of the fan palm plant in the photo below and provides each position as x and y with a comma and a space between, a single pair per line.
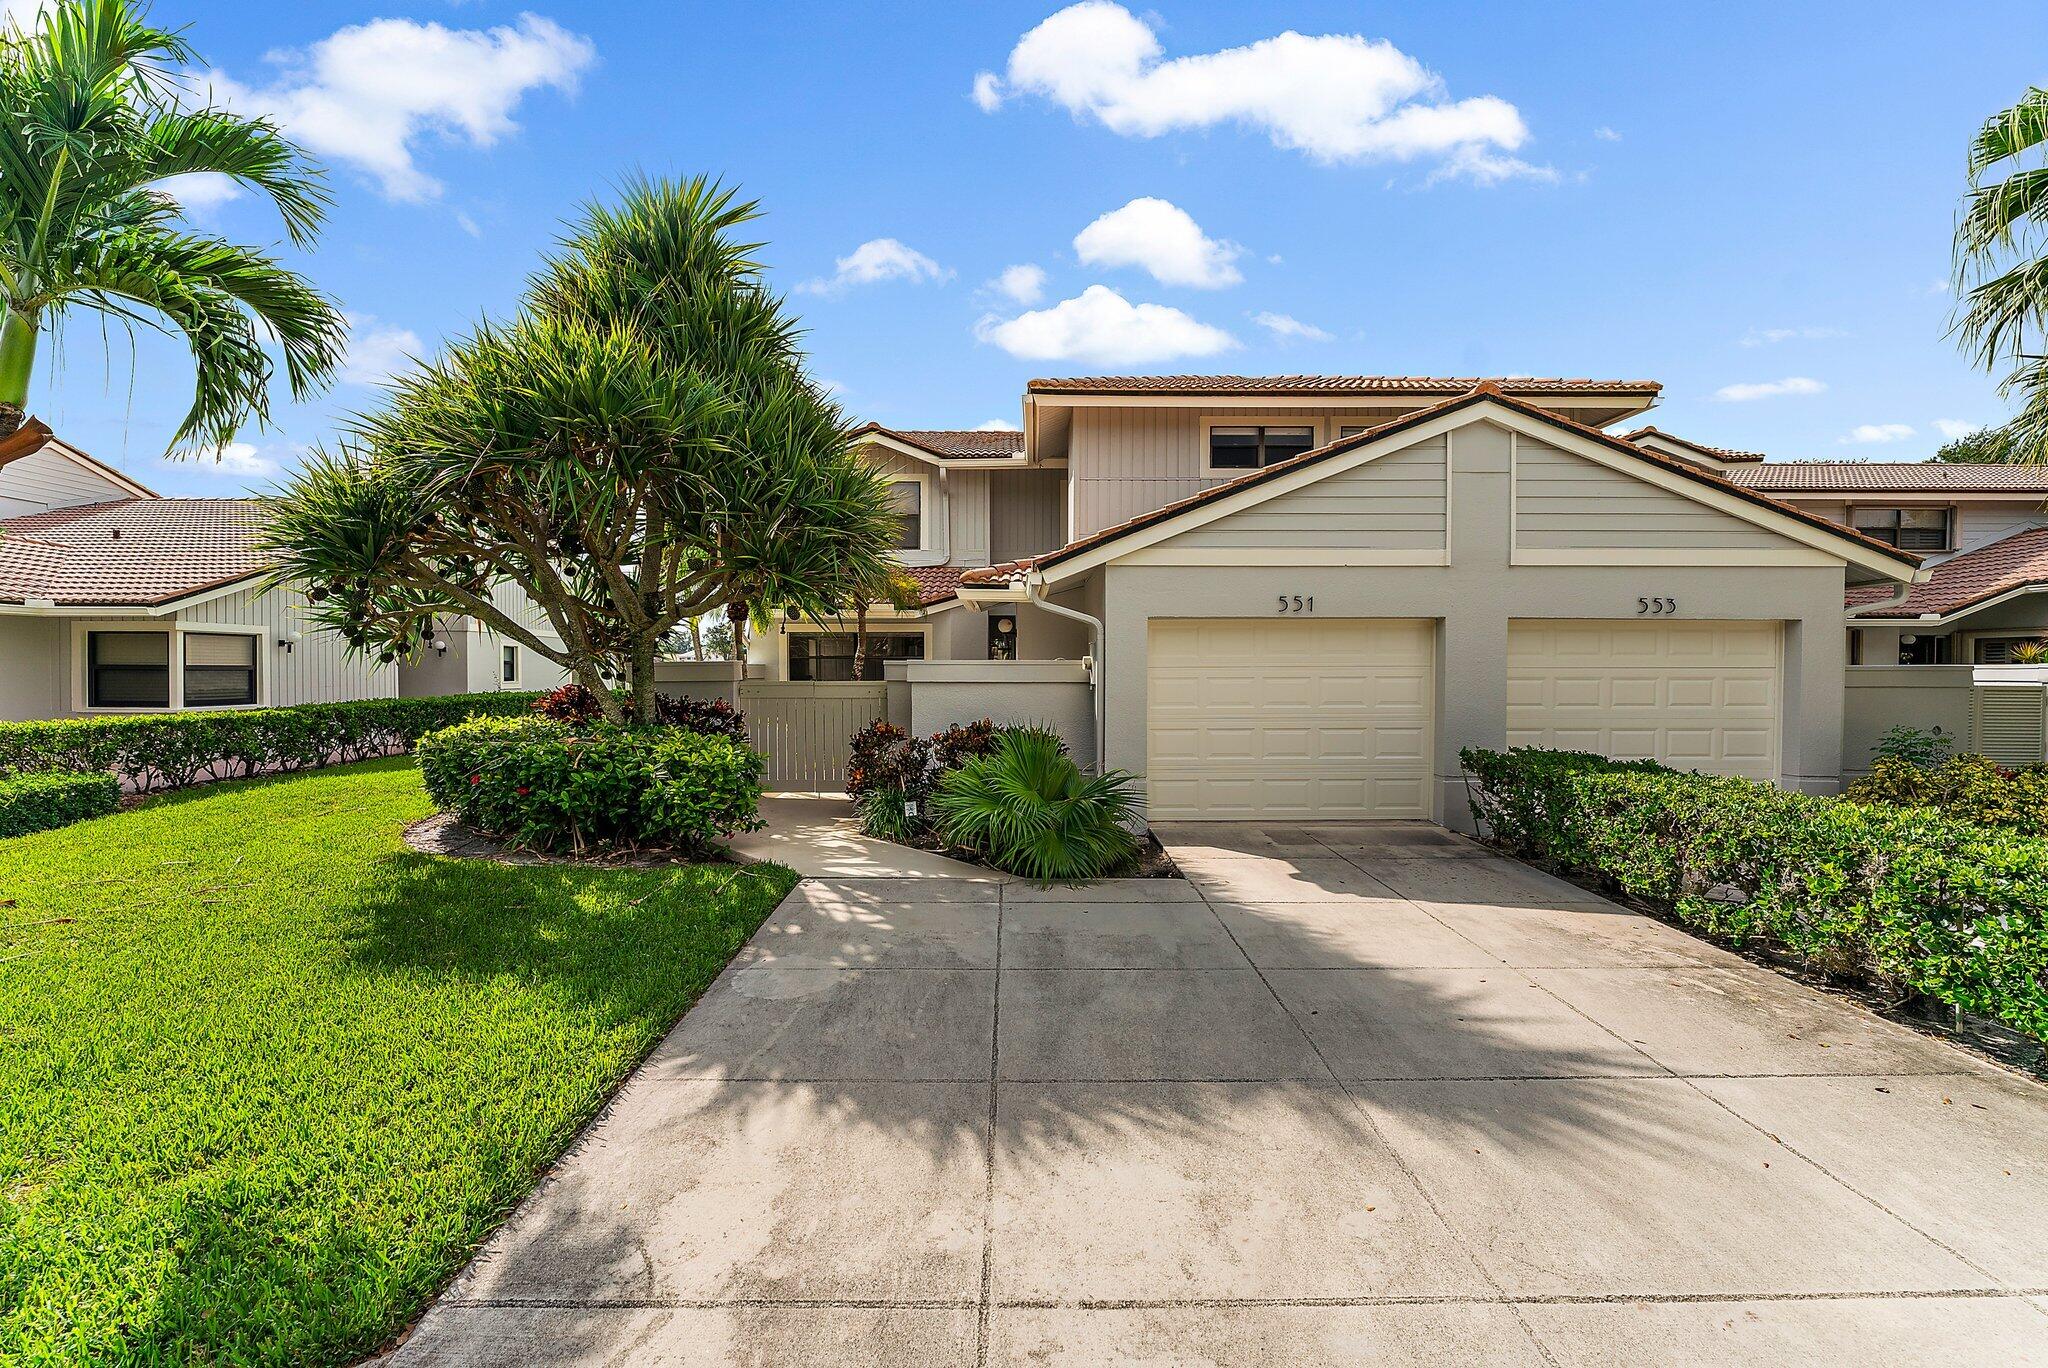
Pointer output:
93, 122
1028, 807
2001, 265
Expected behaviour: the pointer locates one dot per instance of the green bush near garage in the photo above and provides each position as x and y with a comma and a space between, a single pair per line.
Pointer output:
157, 751
1907, 900
43, 802
1970, 788
556, 786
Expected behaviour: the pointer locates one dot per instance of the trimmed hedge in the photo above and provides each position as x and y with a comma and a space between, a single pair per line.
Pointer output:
546, 784
1899, 898
1968, 787
41, 802
170, 750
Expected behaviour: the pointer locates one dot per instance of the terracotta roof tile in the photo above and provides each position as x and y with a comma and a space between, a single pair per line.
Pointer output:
1892, 477
1966, 580
1724, 453
957, 444
935, 583
1446, 386
1012, 571
129, 551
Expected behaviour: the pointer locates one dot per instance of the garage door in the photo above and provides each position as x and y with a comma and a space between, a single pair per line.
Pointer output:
1695, 695
1306, 719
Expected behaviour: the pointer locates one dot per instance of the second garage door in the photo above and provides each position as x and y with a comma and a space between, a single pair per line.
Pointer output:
1694, 695
1305, 719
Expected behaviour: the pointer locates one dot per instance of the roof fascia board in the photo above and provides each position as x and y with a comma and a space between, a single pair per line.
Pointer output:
929, 457
1943, 619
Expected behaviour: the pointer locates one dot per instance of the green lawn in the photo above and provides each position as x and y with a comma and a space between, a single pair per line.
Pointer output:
267, 1077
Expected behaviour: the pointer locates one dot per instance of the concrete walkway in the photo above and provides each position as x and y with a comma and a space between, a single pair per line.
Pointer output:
818, 836
1364, 1094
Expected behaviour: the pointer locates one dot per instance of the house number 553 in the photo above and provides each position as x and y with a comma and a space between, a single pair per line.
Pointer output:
1295, 603
1656, 607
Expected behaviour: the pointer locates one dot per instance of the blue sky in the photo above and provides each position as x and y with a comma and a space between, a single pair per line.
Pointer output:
1751, 203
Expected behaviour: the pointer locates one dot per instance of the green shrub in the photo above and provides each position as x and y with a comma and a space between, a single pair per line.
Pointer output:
885, 815
170, 750
549, 785
40, 802
1028, 808
1914, 746
1969, 787
1901, 898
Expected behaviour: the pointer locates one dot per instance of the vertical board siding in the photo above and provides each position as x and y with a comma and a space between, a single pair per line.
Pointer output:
318, 668
806, 730
47, 480
1565, 502
964, 496
1026, 510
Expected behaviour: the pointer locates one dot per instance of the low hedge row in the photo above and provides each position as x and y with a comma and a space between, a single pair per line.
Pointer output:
553, 786
170, 750
1970, 788
41, 802
1904, 899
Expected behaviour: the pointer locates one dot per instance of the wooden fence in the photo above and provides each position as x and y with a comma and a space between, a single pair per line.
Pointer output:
803, 729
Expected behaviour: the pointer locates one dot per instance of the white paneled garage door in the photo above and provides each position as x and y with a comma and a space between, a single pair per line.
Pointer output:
1694, 695
1298, 718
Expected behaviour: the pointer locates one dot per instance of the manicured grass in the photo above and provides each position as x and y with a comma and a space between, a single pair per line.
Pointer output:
267, 1077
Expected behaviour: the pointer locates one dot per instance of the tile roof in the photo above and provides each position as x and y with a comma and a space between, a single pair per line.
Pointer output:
1448, 387
1967, 580
140, 552
1012, 571
1724, 453
957, 444
1892, 477
935, 583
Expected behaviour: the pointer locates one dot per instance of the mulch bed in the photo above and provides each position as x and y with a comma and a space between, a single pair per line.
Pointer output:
445, 834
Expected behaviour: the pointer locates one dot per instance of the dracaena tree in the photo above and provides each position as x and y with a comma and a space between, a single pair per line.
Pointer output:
638, 447
96, 116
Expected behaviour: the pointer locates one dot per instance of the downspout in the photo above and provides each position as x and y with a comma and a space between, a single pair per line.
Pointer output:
1034, 592
1899, 592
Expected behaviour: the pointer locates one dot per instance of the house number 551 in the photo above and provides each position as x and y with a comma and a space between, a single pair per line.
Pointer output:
1295, 603
1656, 607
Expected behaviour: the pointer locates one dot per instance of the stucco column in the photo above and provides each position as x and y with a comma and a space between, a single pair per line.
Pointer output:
1472, 644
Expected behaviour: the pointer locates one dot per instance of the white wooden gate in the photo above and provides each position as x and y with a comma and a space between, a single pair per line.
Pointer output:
803, 729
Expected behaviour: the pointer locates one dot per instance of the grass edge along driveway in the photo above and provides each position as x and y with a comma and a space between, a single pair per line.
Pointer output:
267, 1077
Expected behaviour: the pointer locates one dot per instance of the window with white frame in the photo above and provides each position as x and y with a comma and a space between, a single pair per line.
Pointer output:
1234, 447
1909, 529
906, 501
128, 669
508, 664
220, 669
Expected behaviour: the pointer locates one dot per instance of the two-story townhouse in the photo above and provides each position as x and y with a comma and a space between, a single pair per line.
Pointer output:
115, 599
1301, 596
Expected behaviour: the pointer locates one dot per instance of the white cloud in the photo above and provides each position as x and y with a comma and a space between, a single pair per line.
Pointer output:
1161, 238
468, 224
368, 94
1863, 434
1024, 283
875, 261
1769, 389
201, 192
1764, 337
1335, 97
1101, 326
1281, 325
376, 354
239, 460
996, 425
1953, 428
1606, 134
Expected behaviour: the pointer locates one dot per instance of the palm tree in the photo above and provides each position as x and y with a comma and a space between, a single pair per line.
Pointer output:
93, 120
2001, 267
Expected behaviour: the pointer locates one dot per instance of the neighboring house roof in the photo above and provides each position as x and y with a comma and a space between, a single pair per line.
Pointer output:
34, 435
130, 552
1718, 453
1892, 477
1331, 384
1486, 391
1967, 581
954, 444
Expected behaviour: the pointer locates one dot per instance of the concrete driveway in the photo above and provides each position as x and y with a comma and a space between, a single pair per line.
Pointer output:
1347, 1094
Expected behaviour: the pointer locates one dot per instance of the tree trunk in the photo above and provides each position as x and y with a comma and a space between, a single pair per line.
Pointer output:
860, 639
17, 365
642, 670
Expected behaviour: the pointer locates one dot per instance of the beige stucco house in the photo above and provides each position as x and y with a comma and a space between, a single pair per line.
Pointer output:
1299, 597
114, 599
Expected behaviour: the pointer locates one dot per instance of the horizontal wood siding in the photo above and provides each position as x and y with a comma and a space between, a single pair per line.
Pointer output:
1392, 503
1565, 502
47, 480
1125, 462
1026, 509
806, 730
318, 668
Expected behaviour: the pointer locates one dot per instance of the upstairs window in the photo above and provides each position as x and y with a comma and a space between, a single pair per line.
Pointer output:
1909, 529
220, 669
906, 499
128, 669
1250, 448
